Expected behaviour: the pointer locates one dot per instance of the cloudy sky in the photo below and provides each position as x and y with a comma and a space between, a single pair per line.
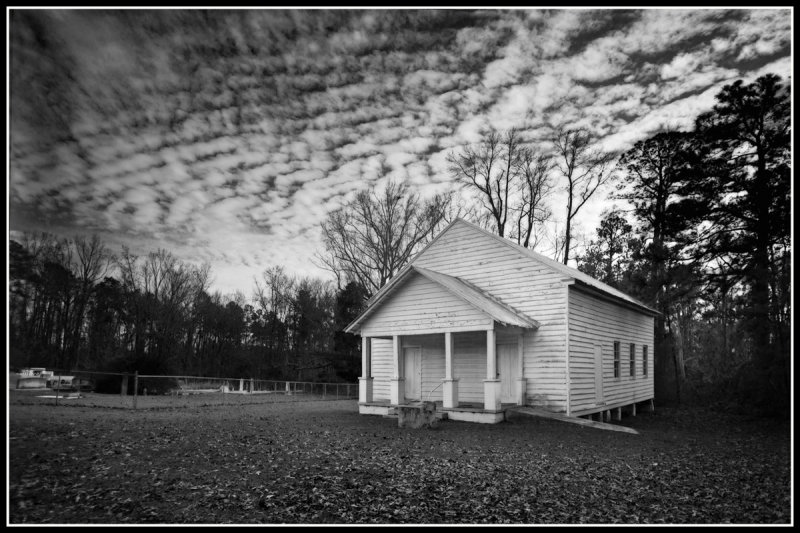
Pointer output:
227, 136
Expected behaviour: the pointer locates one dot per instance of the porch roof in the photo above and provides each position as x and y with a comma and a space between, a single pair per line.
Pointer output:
462, 289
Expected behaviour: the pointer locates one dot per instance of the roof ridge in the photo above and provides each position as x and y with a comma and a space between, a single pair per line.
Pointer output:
560, 267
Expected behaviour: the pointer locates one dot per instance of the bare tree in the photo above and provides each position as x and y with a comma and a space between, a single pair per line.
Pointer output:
369, 239
585, 170
555, 239
513, 181
452, 207
490, 167
92, 262
53, 307
535, 185
160, 290
274, 296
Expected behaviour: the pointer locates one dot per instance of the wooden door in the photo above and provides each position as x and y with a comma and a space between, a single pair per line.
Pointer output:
598, 374
412, 366
507, 370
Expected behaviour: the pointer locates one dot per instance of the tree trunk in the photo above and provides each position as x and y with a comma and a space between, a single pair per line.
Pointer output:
760, 273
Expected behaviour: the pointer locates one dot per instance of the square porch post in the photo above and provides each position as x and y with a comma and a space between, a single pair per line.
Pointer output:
450, 392
522, 381
365, 381
397, 383
491, 385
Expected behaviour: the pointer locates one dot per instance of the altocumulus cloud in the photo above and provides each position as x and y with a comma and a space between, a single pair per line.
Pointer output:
228, 135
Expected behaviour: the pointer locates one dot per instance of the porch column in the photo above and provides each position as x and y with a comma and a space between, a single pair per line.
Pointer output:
522, 381
365, 381
491, 385
397, 383
450, 391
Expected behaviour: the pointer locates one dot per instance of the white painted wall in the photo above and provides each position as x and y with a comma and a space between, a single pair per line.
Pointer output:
592, 321
522, 283
469, 364
420, 305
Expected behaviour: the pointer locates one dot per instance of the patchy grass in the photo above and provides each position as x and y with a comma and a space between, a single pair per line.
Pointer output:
321, 462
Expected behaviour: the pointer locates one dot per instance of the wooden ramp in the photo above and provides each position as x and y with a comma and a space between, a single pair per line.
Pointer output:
532, 411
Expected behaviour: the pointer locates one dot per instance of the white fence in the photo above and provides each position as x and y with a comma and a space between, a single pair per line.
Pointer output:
112, 389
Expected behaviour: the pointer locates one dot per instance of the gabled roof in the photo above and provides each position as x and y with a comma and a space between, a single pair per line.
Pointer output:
479, 299
567, 271
460, 288
571, 274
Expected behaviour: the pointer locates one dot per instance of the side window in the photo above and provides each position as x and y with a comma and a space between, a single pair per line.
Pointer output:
644, 360
616, 359
633, 360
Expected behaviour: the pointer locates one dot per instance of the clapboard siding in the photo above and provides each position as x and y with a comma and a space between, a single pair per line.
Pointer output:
521, 282
432, 363
419, 303
596, 321
381, 368
469, 364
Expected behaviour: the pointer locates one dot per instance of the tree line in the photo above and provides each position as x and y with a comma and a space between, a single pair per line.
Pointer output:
709, 246
75, 305
702, 235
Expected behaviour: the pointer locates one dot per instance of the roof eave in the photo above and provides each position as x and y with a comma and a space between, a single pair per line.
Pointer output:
521, 319
528, 324
375, 302
600, 288
621, 301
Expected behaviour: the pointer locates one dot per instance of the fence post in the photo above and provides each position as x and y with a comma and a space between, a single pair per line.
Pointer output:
123, 390
58, 387
135, 387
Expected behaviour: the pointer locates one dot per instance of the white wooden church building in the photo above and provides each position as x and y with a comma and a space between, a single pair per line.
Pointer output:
479, 324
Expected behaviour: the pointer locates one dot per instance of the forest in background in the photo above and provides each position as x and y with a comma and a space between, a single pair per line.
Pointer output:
702, 234
76, 305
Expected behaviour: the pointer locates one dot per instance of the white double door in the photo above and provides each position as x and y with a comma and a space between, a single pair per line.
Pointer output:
507, 370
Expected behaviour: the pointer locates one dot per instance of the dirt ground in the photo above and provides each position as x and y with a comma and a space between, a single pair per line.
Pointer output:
321, 462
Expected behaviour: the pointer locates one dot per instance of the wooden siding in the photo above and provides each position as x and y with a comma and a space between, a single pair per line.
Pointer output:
595, 321
381, 368
521, 282
432, 363
420, 305
469, 364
